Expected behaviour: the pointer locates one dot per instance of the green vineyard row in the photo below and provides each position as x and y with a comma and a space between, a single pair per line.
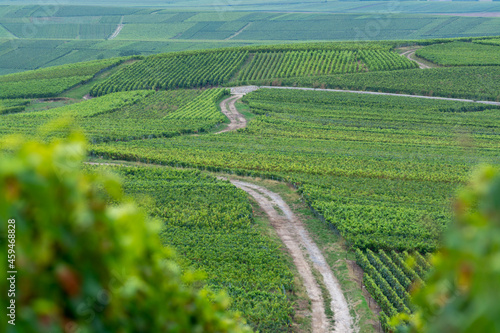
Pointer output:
275, 65
125, 116
173, 71
385, 280
199, 211
52, 81
461, 54
212, 68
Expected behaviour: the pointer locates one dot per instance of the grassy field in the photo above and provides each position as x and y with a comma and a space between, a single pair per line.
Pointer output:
68, 34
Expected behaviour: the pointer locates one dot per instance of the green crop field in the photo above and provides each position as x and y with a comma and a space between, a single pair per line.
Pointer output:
461, 54
293, 6
186, 26
492, 41
474, 82
388, 278
152, 32
129, 116
174, 71
378, 171
51, 81
188, 70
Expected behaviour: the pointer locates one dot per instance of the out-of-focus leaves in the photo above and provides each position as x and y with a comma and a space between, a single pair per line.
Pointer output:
84, 266
461, 294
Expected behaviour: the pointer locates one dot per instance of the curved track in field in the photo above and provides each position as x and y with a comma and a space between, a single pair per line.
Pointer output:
253, 88
410, 55
228, 108
118, 29
305, 254
300, 246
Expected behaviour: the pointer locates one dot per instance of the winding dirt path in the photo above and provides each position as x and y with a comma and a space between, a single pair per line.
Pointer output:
238, 120
118, 29
300, 245
293, 234
228, 107
410, 55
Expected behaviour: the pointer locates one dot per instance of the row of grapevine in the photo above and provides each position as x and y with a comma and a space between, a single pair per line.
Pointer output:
71, 70
300, 63
39, 88
377, 60
125, 116
13, 105
202, 107
471, 82
174, 71
94, 107
384, 279
51, 81
491, 41
279, 65
462, 54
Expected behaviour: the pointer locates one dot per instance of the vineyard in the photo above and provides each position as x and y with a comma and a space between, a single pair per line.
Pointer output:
379, 169
13, 105
389, 278
492, 41
212, 68
69, 34
51, 81
473, 82
203, 107
199, 211
174, 71
125, 116
461, 54
275, 65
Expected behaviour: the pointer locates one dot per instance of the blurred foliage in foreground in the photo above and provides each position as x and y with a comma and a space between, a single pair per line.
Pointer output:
84, 266
461, 294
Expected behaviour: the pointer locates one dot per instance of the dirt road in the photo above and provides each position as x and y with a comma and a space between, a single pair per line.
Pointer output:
384, 94
229, 109
296, 238
118, 30
410, 55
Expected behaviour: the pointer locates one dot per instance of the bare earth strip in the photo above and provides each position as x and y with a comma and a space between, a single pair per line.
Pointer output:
229, 109
410, 55
239, 31
293, 234
118, 30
